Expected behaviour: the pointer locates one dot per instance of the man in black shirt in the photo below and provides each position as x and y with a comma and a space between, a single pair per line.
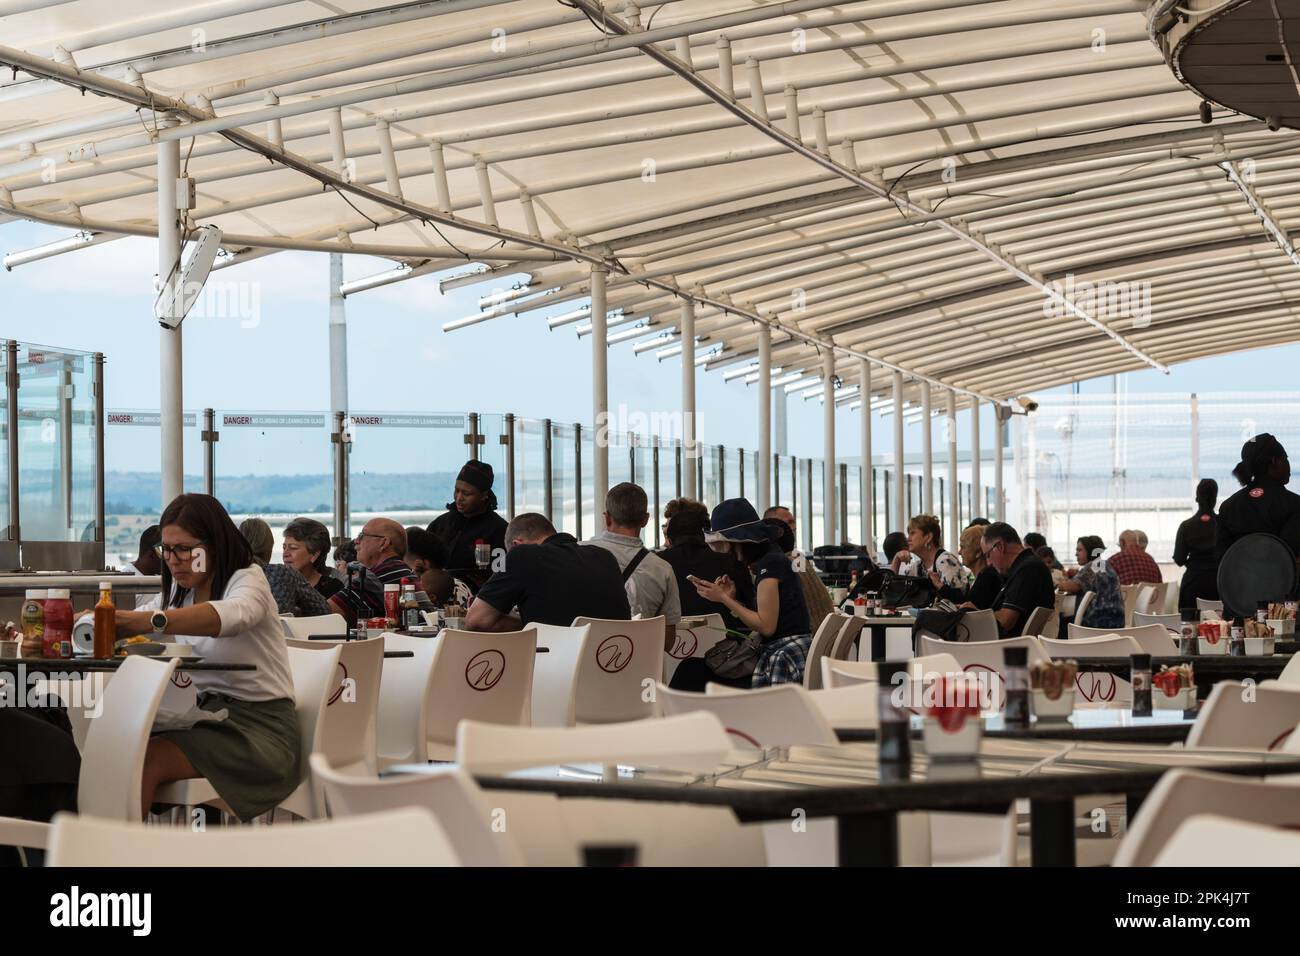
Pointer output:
550, 578
1028, 580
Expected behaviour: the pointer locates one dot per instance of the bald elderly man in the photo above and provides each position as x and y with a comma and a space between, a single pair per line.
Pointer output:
381, 547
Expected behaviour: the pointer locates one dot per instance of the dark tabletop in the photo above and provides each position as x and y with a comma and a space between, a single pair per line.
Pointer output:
1117, 725
40, 665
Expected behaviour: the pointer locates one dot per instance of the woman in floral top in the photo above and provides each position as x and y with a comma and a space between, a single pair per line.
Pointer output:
925, 557
1094, 574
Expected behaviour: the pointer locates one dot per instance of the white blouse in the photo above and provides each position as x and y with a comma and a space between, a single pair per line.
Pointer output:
251, 633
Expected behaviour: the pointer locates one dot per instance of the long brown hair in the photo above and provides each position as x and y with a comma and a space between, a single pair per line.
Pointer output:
225, 548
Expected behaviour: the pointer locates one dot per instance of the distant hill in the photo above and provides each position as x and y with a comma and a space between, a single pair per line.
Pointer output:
137, 492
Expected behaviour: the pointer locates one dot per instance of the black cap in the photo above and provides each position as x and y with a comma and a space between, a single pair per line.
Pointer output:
1015, 656
1142, 662
1190, 614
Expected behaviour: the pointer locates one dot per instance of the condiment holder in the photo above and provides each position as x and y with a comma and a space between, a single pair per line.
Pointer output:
952, 728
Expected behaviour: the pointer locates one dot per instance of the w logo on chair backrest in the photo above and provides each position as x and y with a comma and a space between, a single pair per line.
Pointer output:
1093, 685
485, 669
338, 691
182, 680
685, 645
614, 653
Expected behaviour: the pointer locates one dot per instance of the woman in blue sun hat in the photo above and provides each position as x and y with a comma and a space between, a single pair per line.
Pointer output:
780, 616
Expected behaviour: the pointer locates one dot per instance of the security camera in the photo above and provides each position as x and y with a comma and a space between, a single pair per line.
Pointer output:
181, 289
1027, 403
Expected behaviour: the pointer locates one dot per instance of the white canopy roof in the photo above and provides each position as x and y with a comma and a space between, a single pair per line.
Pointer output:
959, 172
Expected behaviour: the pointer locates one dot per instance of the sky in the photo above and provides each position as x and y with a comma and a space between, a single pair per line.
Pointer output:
270, 351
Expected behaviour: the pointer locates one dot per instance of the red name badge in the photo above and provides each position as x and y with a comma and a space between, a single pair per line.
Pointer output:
1257, 492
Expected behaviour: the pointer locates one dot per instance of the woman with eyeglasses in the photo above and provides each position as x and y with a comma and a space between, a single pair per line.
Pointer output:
215, 597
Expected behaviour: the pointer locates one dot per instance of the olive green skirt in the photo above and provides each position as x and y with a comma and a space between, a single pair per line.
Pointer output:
252, 758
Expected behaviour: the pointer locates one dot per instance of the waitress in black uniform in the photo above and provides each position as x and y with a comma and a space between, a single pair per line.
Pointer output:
1194, 548
1263, 504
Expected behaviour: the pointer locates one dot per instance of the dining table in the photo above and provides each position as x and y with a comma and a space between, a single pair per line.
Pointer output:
1095, 724
864, 794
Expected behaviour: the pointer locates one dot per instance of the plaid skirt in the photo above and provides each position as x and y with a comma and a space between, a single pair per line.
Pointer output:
782, 661
252, 758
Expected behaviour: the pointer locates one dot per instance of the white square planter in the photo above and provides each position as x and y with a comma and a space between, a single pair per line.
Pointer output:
963, 743
1185, 699
1045, 707
1218, 649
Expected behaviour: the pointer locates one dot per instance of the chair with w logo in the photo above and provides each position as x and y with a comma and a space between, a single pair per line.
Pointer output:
483, 677
618, 667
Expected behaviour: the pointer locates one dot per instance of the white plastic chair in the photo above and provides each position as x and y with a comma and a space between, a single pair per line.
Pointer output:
409, 837
351, 720
1166, 621
112, 765
1260, 717
689, 741
1081, 609
1205, 604
1205, 840
1290, 676
764, 717
554, 674
842, 646
982, 624
619, 663
449, 793
1130, 593
1150, 598
403, 729
986, 656
315, 676
1172, 590
301, 628
1154, 639
695, 636
481, 677
1040, 619
1183, 793
820, 647
847, 673
1094, 687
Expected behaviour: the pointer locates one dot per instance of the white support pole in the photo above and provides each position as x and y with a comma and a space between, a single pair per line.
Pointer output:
485, 192
274, 129
530, 214
792, 113
338, 337
690, 459
764, 418
976, 487
999, 507
927, 453
338, 312
726, 70
599, 389
171, 400
900, 474
868, 480
392, 179
440, 177
757, 101
954, 526
828, 448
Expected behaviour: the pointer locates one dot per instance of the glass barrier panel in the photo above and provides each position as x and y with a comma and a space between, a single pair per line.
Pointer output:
563, 476
133, 475
530, 466
404, 466
280, 465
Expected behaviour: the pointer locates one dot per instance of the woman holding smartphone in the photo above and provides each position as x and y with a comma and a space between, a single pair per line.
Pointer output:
779, 616
215, 596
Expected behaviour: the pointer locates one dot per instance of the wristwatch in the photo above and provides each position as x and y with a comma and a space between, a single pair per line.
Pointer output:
158, 620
